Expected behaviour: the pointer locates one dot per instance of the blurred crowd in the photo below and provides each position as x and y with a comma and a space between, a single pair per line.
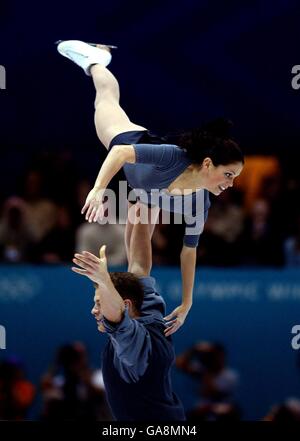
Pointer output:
71, 390
255, 223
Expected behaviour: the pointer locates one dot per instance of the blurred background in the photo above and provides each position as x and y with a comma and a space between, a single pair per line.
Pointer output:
179, 64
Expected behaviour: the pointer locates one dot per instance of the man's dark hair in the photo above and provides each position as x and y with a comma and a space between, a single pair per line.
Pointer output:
129, 287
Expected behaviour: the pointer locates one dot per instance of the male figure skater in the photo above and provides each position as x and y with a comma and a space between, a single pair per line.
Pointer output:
138, 357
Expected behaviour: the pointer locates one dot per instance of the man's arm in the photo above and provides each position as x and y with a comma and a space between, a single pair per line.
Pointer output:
112, 304
132, 345
132, 342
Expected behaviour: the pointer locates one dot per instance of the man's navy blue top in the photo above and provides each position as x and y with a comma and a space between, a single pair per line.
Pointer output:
156, 167
136, 364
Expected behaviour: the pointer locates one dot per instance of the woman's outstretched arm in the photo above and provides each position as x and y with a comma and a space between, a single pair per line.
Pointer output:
116, 158
188, 264
188, 258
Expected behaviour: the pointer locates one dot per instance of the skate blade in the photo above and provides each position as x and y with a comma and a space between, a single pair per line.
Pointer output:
92, 44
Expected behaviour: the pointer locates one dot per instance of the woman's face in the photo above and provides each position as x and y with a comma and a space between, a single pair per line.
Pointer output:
219, 178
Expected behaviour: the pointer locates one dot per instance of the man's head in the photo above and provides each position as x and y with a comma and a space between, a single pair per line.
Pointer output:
130, 289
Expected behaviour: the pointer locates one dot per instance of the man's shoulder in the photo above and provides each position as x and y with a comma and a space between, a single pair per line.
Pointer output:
153, 306
149, 284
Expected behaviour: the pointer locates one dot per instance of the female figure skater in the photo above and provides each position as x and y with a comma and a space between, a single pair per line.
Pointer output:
203, 160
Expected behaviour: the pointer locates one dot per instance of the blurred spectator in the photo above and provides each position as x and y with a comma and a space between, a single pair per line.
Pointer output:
256, 169
91, 236
206, 362
167, 239
71, 390
16, 234
214, 412
292, 247
273, 190
287, 412
16, 393
41, 211
291, 194
59, 243
81, 190
160, 249
248, 230
220, 242
261, 246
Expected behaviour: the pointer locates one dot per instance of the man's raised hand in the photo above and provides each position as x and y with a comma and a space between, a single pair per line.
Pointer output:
91, 266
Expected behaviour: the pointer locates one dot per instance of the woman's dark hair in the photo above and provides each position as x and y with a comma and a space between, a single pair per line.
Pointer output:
211, 140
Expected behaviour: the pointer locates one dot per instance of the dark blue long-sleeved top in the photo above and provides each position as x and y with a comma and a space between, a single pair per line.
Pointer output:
130, 338
137, 362
156, 167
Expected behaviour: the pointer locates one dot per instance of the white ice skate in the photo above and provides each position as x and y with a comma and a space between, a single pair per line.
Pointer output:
85, 54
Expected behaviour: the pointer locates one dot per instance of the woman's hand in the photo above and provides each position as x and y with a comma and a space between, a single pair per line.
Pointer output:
94, 205
174, 324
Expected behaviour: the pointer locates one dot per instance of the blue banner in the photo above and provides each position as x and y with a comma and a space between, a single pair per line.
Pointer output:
251, 312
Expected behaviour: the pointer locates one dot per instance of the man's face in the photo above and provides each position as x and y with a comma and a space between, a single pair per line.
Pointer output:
96, 311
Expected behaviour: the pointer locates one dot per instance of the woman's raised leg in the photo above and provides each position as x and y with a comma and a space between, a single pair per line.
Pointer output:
110, 118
